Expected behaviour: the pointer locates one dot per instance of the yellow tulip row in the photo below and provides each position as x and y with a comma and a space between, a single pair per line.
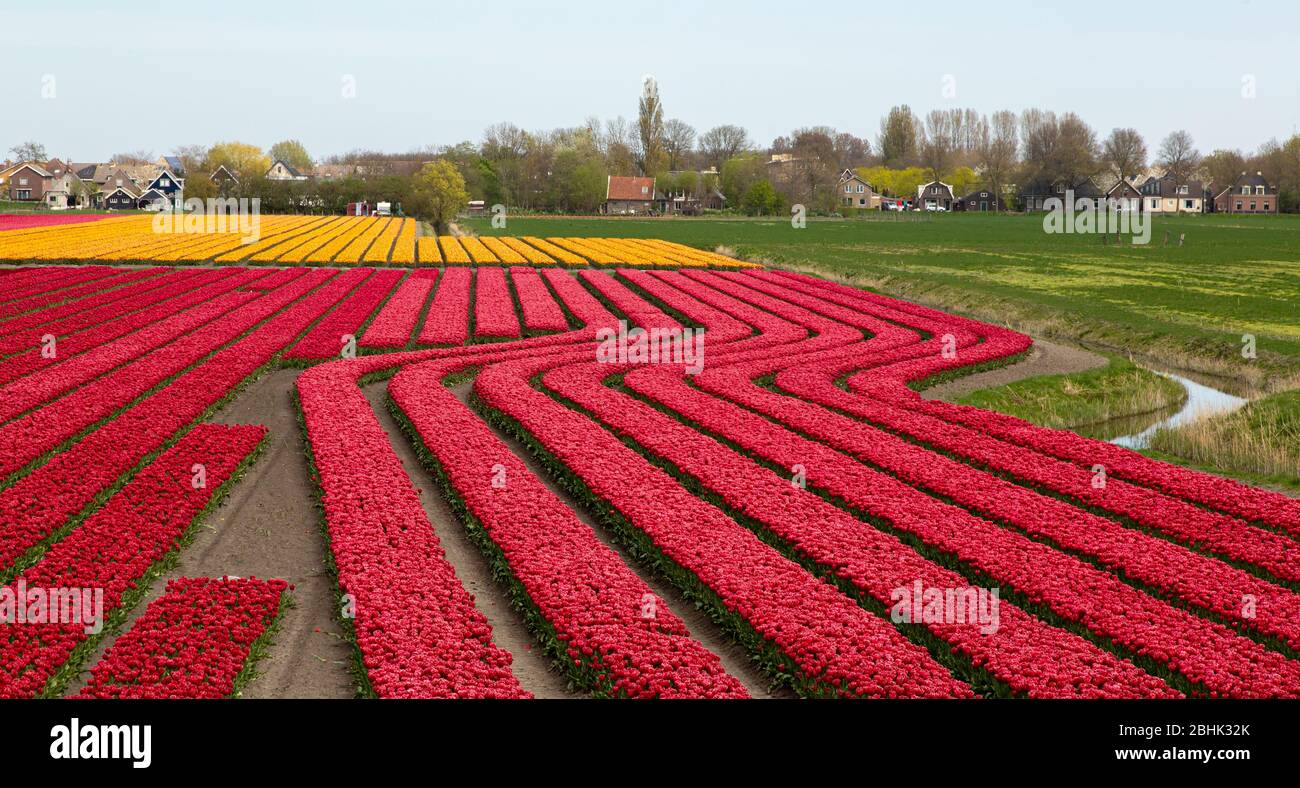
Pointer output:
328, 239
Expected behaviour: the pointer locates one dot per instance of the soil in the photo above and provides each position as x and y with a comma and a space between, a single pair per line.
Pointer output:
1045, 358
267, 527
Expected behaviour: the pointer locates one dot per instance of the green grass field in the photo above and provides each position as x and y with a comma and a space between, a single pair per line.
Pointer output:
1186, 307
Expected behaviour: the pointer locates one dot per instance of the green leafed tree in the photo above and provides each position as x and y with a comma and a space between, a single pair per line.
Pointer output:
293, 153
439, 193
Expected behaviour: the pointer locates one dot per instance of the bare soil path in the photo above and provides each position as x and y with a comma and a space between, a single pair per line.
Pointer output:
1045, 358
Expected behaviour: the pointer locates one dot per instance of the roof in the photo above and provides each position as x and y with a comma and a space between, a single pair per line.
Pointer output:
226, 170
850, 175
628, 187
289, 168
979, 193
34, 167
920, 190
127, 188
174, 163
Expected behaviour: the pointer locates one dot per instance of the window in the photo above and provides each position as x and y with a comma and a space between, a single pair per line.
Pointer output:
1259, 189
862, 201
1182, 190
119, 181
861, 188
1187, 204
22, 181
1239, 205
164, 182
644, 189
1245, 190
24, 194
848, 189
1266, 206
1252, 205
984, 206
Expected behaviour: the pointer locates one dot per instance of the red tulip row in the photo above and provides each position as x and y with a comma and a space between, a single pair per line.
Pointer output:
622, 639
128, 284
582, 304
448, 320
29, 513
144, 291
1195, 578
143, 357
117, 545
326, 340
72, 291
541, 312
20, 222
835, 646
393, 325
100, 326
494, 311
192, 642
1213, 491
1027, 655
415, 624
54, 287
45, 428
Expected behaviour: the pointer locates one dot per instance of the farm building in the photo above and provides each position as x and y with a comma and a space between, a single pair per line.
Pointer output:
1250, 193
282, 170
978, 200
934, 195
855, 192
1165, 195
626, 194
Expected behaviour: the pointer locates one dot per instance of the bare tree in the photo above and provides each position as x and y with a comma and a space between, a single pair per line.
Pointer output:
1077, 151
723, 142
996, 151
679, 142
650, 125
851, 151
1178, 156
939, 142
29, 151
1125, 153
899, 133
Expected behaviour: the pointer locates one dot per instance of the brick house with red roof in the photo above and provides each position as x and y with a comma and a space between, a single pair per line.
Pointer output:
629, 194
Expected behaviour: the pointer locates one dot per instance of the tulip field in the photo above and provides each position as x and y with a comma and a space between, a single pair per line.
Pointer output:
314, 240
750, 521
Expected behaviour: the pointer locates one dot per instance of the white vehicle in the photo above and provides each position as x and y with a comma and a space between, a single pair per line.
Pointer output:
383, 209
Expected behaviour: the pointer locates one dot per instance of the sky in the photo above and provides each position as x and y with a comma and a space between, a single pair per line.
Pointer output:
151, 76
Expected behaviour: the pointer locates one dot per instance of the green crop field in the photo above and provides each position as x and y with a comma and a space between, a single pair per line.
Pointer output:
1187, 307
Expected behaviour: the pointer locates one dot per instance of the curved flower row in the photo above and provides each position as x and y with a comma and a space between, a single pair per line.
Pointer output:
415, 624
191, 642
623, 639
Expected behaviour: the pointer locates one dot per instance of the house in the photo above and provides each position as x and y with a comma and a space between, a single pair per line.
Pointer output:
167, 185
855, 192
153, 200
28, 182
1165, 195
1035, 195
935, 195
713, 200
1248, 194
120, 198
281, 170
978, 200
626, 194
224, 178
1123, 196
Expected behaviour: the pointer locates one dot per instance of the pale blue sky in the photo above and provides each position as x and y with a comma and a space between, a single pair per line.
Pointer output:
154, 75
